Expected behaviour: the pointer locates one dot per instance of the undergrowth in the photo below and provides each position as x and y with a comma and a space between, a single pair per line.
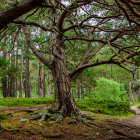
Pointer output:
109, 107
6, 102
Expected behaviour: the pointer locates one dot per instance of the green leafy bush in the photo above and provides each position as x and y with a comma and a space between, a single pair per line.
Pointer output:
109, 89
110, 107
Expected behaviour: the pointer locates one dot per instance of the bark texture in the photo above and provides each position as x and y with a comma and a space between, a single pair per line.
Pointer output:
62, 80
17, 10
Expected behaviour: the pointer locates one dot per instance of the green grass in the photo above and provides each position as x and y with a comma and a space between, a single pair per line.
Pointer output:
6, 102
109, 107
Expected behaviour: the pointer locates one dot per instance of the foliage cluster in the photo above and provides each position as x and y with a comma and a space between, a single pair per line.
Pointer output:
110, 107
3, 68
110, 90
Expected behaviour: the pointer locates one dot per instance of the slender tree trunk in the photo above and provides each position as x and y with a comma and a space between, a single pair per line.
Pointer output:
111, 71
130, 92
44, 86
13, 77
8, 87
21, 74
40, 81
27, 81
4, 81
138, 82
4, 86
84, 90
16, 84
33, 86
79, 92
8, 80
133, 69
50, 89
35, 89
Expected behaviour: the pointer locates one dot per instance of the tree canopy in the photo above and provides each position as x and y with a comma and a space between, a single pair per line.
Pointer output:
70, 36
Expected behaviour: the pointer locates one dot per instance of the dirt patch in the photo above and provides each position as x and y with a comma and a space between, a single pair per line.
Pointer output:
18, 125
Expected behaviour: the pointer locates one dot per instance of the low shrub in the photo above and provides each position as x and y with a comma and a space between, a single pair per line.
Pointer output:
6, 102
110, 107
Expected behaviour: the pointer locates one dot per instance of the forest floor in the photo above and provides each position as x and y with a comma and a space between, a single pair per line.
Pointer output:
18, 125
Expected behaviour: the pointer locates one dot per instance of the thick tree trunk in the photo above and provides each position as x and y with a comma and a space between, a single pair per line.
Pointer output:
63, 88
64, 98
62, 80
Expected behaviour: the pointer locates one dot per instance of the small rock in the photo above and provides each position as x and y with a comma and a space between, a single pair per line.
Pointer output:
23, 120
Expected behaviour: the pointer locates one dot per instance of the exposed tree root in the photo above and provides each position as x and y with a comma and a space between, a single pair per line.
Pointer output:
59, 115
121, 125
84, 115
121, 134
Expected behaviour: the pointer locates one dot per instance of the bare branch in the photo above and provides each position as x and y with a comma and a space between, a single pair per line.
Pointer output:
33, 24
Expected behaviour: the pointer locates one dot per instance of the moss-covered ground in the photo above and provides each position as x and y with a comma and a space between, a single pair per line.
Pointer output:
16, 123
